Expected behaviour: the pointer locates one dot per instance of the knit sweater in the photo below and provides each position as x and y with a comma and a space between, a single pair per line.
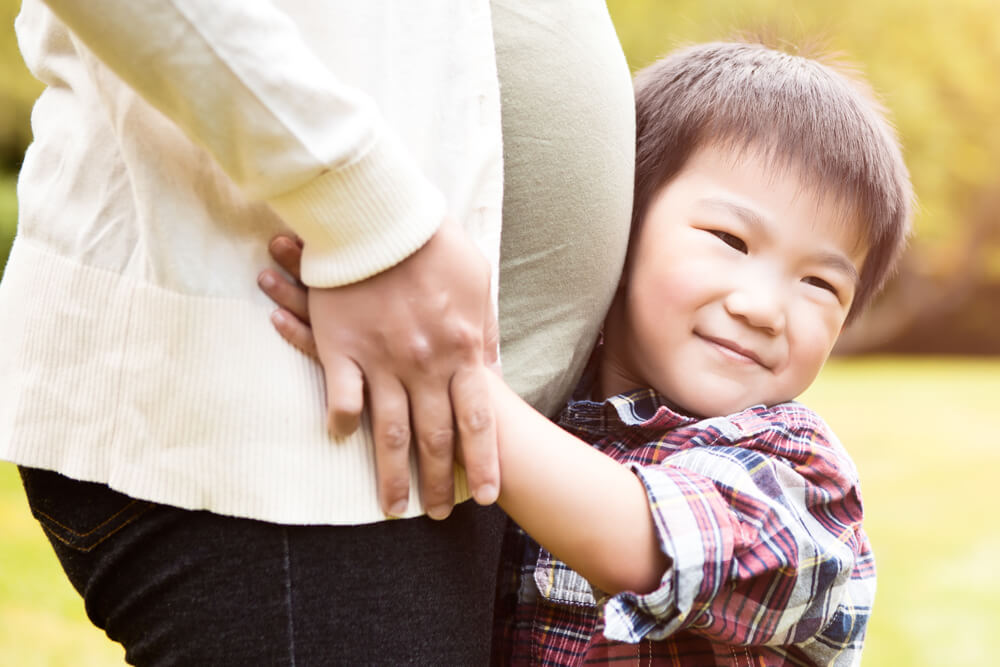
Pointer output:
172, 141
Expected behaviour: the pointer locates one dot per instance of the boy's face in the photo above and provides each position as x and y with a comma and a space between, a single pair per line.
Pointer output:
739, 283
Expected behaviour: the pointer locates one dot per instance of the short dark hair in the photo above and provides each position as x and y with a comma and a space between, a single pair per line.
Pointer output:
818, 117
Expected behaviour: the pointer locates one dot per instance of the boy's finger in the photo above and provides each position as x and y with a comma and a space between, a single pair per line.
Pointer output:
294, 331
290, 296
287, 252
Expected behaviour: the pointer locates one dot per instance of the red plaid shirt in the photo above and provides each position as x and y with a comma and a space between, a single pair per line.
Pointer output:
759, 514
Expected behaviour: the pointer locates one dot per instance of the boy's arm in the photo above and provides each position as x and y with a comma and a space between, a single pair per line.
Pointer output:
750, 537
759, 522
760, 517
759, 525
588, 510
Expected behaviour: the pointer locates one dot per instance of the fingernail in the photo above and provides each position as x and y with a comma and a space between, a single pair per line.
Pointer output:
278, 317
266, 280
439, 512
399, 508
486, 494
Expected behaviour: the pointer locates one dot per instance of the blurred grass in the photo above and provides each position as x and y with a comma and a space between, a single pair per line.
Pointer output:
8, 216
923, 433
42, 621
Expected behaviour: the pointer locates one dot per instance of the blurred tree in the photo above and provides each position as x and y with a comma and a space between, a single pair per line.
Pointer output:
934, 64
18, 90
8, 217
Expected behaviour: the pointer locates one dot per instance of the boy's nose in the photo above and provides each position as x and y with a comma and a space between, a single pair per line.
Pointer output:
759, 304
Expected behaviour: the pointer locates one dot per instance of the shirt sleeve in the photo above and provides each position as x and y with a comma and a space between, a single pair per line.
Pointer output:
240, 81
765, 543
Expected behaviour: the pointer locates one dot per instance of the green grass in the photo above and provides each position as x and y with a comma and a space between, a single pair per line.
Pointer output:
42, 621
924, 435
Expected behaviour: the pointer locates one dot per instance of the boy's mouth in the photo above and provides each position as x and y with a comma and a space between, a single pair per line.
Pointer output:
733, 350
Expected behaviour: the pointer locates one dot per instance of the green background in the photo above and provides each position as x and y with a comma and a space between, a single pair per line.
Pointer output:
922, 427
935, 64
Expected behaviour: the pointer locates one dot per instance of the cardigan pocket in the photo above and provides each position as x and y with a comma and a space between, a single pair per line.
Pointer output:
79, 515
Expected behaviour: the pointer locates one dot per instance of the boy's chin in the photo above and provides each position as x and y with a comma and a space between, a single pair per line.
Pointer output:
720, 407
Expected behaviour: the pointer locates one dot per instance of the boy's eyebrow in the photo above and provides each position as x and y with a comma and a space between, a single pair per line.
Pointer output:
838, 262
749, 216
758, 224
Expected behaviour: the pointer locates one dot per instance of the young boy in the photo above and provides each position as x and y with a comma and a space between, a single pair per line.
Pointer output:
712, 521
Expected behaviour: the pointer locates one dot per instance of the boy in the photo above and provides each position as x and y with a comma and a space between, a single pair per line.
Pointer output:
713, 521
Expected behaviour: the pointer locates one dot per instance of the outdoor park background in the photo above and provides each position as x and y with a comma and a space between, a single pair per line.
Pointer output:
913, 393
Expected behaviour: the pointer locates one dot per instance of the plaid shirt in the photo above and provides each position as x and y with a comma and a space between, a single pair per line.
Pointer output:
759, 514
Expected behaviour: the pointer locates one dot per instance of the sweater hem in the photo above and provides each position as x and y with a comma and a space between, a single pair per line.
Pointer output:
103, 378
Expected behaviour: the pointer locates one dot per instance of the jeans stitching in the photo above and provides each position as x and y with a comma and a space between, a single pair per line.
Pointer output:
91, 547
288, 597
92, 530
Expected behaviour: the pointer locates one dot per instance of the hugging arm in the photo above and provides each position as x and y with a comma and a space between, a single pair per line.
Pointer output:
755, 542
766, 546
547, 476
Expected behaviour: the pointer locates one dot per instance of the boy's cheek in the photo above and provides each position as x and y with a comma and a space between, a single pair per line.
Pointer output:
682, 292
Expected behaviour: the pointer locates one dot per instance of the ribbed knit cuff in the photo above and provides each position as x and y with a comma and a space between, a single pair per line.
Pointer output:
364, 218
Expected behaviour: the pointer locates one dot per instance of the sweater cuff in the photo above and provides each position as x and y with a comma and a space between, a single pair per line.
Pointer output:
363, 218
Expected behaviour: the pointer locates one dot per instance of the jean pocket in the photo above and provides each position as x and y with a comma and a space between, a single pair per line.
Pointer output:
80, 515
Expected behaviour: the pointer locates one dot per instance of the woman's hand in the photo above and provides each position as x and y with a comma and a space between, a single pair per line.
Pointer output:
373, 327
291, 319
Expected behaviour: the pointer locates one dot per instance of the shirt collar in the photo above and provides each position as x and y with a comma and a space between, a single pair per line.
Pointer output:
637, 408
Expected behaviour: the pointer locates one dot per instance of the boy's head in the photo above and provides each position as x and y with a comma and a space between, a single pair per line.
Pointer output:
771, 204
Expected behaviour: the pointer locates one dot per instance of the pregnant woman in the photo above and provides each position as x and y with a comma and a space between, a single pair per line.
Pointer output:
207, 499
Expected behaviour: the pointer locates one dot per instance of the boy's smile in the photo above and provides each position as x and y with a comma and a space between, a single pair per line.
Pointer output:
739, 281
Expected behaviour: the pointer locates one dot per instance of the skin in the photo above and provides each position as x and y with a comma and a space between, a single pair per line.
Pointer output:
411, 339
739, 282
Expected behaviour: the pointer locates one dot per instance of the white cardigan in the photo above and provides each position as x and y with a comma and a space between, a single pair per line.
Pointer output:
173, 140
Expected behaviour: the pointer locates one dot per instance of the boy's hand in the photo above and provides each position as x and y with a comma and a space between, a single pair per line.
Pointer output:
392, 330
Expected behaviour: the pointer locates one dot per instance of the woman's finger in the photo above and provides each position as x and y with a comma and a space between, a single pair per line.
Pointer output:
434, 430
477, 434
294, 331
288, 295
287, 252
345, 398
390, 418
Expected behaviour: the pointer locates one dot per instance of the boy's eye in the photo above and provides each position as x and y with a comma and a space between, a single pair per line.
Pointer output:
820, 283
734, 242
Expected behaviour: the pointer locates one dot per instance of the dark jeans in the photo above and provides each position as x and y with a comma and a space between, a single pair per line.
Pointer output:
178, 587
